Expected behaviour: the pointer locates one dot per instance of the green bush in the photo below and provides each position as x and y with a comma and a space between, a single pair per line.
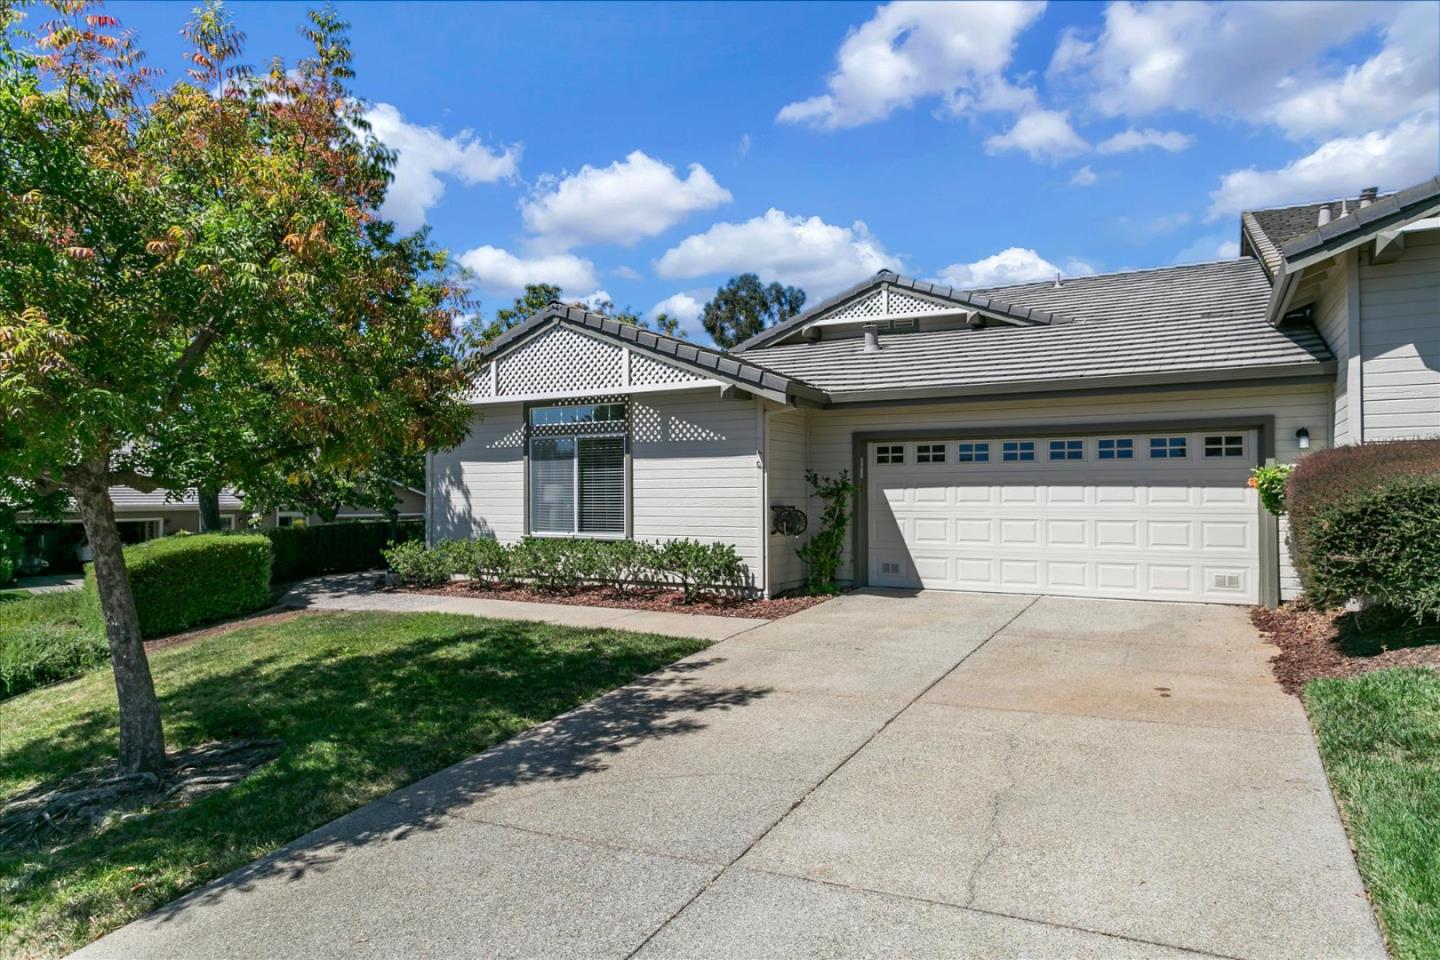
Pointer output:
417, 565
1365, 523
701, 568
489, 561
47, 638
181, 581
1270, 482
337, 547
626, 564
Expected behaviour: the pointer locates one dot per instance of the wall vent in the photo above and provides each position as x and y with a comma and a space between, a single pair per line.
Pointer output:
889, 566
1226, 581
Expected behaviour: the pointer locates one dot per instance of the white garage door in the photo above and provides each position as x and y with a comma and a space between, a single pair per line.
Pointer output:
1143, 516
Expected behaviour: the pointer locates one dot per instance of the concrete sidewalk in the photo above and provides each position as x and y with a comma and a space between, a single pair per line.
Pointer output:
357, 591
936, 775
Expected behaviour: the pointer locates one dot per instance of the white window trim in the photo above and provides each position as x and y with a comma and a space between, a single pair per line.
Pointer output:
577, 534
1020, 451
1066, 458
1115, 451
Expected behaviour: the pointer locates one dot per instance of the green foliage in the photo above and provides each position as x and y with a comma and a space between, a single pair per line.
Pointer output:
626, 564
1379, 735
537, 297
417, 565
701, 568
1270, 482
1365, 523
180, 582
489, 561
48, 637
825, 550
337, 547
744, 306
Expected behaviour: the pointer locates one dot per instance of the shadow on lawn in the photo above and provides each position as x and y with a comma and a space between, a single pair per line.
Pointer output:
392, 717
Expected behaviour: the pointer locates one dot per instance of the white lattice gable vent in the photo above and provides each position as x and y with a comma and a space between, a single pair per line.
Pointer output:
563, 362
881, 304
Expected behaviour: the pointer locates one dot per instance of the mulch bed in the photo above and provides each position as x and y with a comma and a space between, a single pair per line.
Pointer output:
663, 601
1333, 643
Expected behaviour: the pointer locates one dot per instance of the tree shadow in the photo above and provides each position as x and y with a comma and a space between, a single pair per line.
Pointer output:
1378, 631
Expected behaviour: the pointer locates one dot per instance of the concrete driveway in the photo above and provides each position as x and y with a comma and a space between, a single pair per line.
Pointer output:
883, 775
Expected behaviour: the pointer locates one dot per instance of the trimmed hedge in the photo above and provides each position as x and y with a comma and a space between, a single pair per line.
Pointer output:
562, 565
1365, 523
180, 581
337, 547
48, 637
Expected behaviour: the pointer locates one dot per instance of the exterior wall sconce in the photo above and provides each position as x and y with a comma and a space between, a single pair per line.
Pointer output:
1302, 438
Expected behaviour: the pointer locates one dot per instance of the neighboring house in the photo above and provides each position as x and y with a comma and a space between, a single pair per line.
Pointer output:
1088, 437
145, 516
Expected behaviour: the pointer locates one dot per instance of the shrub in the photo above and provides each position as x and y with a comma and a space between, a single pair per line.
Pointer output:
701, 568
183, 581
550, 564
489, 561
1269, 482
48, 638
625, 564
418, 565
337, 547
825, 549
1365, 523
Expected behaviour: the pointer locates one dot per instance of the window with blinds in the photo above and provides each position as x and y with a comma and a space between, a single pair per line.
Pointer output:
577, 469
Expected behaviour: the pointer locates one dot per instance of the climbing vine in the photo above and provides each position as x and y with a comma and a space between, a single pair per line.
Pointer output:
824, 550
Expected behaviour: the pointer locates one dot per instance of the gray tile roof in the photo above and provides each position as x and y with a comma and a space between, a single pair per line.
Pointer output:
963, 299
1201, 322
1285, 233
739, 370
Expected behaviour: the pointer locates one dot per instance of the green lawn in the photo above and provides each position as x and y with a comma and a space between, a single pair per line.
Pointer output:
365, 703
1379, 736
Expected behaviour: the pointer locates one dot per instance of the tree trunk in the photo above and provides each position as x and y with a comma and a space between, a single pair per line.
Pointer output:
142, 740
209, 509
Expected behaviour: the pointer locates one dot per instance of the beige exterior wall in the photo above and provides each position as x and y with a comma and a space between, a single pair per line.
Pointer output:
1309, 406
1332, 320
1400, 340
478, 488
785, 461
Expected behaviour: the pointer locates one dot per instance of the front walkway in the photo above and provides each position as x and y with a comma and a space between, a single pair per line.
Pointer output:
356, 591
881, 775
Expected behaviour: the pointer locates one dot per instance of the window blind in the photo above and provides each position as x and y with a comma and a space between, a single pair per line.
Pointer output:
602, 484
552, 485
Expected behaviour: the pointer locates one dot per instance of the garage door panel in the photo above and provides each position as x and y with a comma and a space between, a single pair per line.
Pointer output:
1178, 529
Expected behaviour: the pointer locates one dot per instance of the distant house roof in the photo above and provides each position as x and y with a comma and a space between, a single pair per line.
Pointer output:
742, 372
962, 299
129, 499
1177, 324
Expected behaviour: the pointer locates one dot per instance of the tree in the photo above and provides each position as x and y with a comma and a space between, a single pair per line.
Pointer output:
196, 288
538, 296
744, 306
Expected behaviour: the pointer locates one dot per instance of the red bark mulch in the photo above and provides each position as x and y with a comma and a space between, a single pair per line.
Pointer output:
663, 601
1332, 643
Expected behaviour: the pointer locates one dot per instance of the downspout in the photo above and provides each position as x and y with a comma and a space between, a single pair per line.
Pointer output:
429, 495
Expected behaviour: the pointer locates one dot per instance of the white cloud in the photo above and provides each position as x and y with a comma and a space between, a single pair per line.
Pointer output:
593, 301
503, 272
627, 201
625, 273
682, 306
1398, 157
1215, 246
1013, 265
1043, 134
1084, 177
1127, 140
913, 50
743, 147
808, 252
423, 154
1261, 62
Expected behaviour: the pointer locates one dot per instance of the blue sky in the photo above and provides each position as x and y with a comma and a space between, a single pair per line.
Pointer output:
651, 151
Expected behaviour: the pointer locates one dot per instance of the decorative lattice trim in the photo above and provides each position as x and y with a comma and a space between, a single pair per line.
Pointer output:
648, 372
480, 385
560, 361
865, 308
903, 303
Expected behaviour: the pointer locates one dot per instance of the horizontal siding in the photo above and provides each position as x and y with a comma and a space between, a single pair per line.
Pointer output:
695, 471
1400, 340
1332, 319
1293, 407
478, 488
785, 465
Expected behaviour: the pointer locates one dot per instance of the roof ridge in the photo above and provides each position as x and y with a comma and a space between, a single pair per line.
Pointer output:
1313, 203
1120, 273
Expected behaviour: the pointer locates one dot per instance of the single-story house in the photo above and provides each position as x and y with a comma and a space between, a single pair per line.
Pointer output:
1090, 437
141, 516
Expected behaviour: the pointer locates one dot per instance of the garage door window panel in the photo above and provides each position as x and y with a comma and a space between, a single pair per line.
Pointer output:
1066, 450
930, 453
1018, 451
890, 454
1168, 448
1115, 448
1224, 446
972, 453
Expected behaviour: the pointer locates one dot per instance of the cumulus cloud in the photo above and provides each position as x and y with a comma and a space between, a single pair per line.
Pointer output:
1214, 246
1043, 134
1084, 177
1265, 63
424, 154
627, 201
625, 273
807, 252
910, 51
1126, 141
501, 271
1011, 266
1398, 157
682, 306
593, 301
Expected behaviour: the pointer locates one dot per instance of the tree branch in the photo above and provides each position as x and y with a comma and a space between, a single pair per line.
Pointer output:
192, 355
139, 481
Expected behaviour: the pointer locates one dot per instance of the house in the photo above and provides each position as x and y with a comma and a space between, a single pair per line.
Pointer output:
141, 516
1089, 437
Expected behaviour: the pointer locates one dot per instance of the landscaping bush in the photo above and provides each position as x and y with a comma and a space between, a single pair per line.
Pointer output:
825, 550
417, 565
625, 564
48, 637
489, 561
701, 568
337, 547
181, 581
1365, 523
